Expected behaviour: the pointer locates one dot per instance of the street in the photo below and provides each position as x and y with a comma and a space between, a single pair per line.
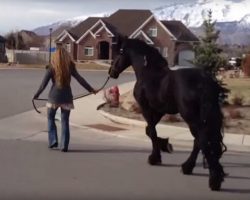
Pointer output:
100, 164
17, 87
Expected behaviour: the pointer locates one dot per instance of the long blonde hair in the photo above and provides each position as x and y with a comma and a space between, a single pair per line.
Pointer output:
61, 63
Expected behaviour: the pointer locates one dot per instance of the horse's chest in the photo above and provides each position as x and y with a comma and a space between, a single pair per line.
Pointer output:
163, 104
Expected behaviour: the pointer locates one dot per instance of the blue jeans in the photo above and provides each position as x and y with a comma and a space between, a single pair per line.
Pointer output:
52, 129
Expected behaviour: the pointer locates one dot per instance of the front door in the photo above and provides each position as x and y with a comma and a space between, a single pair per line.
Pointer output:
104, 50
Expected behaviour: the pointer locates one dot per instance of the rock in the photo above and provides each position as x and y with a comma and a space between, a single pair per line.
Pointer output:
128, 102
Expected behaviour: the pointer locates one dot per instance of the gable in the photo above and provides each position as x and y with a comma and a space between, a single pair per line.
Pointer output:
83, 27
153, 22
180, 31
143, 36
95, 30
66, 36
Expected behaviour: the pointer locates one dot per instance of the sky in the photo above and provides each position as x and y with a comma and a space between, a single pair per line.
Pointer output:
29, 14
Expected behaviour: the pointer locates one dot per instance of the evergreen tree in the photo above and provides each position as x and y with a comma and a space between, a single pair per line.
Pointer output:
207, 52
207, 55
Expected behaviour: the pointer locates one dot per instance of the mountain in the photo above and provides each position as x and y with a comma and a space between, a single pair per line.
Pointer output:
232, 17
64, 24
192, 14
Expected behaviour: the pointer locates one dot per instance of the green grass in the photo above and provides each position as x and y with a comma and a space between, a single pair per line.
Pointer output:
240, 87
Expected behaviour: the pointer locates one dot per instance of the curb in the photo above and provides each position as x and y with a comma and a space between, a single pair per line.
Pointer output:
235, 142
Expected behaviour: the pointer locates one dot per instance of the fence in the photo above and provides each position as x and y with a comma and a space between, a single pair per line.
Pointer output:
27, 57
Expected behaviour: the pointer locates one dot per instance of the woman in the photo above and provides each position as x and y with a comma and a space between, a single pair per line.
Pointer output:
60, 95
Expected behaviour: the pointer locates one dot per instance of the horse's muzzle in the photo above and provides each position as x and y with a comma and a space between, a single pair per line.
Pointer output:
113, 73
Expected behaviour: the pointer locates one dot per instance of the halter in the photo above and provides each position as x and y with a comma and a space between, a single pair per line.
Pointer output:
78, 97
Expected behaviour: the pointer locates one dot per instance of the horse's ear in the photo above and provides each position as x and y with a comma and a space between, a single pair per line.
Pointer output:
120, 41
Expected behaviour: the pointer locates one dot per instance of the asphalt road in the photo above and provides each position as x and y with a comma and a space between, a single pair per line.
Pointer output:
99, 165
17, 87
105, 167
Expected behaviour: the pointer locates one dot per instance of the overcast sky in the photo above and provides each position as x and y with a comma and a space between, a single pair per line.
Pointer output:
29, 14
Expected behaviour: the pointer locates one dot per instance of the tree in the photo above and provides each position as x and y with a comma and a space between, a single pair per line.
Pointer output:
208, 55
207, 52
14, 40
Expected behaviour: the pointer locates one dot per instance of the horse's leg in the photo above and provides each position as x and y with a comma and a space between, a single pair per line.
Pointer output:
189, 164
212, 149
152, 118
165, 145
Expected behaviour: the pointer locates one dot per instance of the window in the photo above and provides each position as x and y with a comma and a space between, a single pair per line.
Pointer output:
165, 52
68, 47
152, 32
88, 51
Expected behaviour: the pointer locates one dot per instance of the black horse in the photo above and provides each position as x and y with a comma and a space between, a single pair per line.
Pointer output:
191, 92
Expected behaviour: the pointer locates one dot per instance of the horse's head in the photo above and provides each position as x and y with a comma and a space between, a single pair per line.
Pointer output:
121, 60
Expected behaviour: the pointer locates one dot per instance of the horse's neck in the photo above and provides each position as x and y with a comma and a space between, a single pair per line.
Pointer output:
144, 74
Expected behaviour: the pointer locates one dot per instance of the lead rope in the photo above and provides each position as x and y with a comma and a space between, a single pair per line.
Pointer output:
81, 96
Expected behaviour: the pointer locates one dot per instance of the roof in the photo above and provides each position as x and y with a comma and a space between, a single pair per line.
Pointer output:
126, 21
82, 27
180, 31
2, 39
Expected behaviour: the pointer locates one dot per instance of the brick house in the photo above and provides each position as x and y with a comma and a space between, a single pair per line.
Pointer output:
2, 50
94, 37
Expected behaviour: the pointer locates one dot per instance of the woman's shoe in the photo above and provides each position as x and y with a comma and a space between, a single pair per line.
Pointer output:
53, 145
64, 150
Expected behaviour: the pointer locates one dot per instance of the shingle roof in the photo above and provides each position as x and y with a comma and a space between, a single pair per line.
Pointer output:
126, 22
180, 31
81, 28
2, 39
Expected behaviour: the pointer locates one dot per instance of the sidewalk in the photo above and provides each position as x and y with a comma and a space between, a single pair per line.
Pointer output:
86, 115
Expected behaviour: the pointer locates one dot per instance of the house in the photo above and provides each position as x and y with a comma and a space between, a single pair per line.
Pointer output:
2, 50
94, 37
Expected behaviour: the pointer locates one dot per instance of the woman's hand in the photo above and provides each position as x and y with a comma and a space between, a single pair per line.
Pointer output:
35, 96
94, 91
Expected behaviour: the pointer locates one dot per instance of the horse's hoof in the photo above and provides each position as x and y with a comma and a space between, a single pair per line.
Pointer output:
187, 169
215, 181
154, 160
166, 146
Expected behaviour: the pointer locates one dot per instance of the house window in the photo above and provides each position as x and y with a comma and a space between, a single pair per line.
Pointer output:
68, 47
152, 32
165, 52
88, 51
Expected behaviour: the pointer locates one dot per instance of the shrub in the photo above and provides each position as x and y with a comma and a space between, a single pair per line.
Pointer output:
237, 100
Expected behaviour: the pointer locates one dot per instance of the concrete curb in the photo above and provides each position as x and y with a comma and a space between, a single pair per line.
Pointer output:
181, 135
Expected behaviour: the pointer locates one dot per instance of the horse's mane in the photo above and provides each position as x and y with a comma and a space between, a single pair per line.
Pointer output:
154, 57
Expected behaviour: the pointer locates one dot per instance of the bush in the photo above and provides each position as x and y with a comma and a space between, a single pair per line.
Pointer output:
237, 100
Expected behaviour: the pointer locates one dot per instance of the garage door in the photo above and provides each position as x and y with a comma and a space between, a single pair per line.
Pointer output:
185, 57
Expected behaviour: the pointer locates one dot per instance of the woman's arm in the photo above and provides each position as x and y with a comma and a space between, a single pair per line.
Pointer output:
81, 80
44, 83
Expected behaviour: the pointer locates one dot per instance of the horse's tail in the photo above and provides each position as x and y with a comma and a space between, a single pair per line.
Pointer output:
222, 100
214, 95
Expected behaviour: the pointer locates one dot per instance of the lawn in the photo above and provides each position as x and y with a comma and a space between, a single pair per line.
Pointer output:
240, 87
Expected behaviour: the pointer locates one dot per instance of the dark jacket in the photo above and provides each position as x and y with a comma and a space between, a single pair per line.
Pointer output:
61, 95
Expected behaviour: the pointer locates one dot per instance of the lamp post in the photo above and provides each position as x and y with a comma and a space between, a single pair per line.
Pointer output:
50, 31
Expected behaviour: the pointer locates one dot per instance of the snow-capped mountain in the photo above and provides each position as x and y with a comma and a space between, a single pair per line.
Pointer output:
193, 14
232, 17
68, 23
